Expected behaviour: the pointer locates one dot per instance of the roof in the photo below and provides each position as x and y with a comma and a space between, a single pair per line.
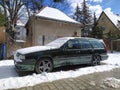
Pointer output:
55, 14
113, 17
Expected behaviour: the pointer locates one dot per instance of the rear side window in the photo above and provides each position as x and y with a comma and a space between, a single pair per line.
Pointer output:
97, 44
84, 44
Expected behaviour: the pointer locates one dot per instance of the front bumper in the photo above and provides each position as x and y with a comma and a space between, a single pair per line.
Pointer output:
21, 66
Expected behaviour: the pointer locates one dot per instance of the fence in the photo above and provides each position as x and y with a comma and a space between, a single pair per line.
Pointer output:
113, 44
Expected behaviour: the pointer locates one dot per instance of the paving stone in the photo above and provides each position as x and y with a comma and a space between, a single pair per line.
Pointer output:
51, 86
37, 87
85, 82
58, 85
45, 88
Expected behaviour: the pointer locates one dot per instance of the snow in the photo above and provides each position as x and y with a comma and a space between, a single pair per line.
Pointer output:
114, 18
59, 42
21, 41
112, 82
7, 69
55, 14
9, 78
33, 49
53, 45
113, 59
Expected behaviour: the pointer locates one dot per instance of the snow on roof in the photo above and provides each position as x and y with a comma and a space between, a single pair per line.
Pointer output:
55, 14
113, 17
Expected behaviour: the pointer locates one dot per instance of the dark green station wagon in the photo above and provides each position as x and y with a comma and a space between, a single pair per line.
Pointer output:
61, 52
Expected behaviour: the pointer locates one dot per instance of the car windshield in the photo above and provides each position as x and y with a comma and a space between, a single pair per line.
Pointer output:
58, 42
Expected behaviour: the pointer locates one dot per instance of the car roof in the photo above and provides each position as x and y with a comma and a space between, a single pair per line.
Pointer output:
68, 38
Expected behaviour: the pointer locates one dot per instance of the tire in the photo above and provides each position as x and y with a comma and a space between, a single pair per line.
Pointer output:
95, 60
44, 65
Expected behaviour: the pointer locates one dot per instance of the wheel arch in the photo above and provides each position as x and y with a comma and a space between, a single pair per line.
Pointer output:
44, 57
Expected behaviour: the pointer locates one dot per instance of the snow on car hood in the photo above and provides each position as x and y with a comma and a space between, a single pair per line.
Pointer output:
34, 49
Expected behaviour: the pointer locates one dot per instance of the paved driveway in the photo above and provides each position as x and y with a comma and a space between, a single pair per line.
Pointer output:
95, 81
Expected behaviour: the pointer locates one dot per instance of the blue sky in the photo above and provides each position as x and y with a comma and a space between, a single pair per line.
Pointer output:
112, 6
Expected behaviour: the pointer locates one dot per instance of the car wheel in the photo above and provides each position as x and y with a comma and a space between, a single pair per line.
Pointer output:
95, 60
44, 65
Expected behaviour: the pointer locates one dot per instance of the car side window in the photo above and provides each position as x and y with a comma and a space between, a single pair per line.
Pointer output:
97, 44
84, 44
72, 44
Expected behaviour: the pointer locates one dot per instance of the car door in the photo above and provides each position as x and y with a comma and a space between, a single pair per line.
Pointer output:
72, 52
86, 51
59, 57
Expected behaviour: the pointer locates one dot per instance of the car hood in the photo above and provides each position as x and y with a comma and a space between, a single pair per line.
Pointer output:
34, 49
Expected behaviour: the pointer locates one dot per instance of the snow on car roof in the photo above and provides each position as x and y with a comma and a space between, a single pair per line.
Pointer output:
52, 13
33, 49
52, 45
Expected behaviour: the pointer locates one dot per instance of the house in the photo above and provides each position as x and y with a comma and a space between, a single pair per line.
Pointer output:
110, 25
20, 39
20, 31
49, 24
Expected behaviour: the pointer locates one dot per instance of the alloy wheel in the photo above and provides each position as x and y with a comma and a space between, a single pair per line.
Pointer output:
44, 65
95, 60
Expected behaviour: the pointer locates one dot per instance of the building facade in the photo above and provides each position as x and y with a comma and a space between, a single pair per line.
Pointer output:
20, 31
110, 25
46, 26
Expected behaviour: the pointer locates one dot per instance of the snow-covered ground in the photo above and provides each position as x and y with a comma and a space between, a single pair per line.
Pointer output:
10, 79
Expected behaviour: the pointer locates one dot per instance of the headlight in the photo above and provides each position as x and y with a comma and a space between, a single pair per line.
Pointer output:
22, 57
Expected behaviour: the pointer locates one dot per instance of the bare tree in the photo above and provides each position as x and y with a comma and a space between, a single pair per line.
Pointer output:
36, 5
11, 11
2, 18
12, 8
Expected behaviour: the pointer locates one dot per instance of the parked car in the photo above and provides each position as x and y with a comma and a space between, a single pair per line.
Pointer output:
61, 52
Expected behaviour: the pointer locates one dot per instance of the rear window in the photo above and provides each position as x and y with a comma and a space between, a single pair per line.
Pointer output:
97, 44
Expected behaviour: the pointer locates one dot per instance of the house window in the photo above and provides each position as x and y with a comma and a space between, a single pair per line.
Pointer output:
103, 28
118, 22
17, 28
